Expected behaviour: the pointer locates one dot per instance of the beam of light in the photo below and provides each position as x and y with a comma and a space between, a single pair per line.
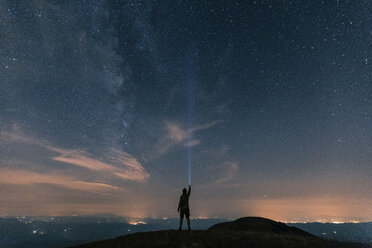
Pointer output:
191, 81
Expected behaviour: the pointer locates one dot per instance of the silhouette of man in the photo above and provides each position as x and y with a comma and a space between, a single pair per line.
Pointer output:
183, 207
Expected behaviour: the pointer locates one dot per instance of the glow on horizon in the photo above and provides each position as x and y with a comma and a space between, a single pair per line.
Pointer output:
325, 222
141, 222
284, 210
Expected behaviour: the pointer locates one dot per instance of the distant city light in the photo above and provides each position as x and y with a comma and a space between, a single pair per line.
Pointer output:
138, 222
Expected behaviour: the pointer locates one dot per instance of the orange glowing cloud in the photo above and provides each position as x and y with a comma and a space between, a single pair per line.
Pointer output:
127, 167
23, 177
115, 162
80, 158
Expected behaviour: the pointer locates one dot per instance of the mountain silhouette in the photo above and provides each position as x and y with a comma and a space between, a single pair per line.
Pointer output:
258, 224
253, 232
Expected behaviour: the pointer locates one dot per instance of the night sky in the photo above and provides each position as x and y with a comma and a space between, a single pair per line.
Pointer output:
104, 105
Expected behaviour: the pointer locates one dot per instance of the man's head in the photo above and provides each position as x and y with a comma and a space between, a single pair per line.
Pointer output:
184, 190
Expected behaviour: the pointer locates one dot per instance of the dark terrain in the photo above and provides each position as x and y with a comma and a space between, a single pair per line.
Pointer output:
243, 232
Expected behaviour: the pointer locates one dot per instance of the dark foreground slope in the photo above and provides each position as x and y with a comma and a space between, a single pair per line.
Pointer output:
245, 232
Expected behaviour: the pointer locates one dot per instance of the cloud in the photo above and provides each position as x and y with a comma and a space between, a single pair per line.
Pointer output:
175, 135
227, 171
123, 165
24, 177
185, 136
203, 126
80, 158
16, 135
112, 162
231, 170
192, 143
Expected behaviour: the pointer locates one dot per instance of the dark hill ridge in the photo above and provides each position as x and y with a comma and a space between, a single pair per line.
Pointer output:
253, 232
258, 224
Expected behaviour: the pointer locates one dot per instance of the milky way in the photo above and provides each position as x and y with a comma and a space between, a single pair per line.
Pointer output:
105, 104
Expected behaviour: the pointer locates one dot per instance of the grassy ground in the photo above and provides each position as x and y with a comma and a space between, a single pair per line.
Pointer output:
218, 239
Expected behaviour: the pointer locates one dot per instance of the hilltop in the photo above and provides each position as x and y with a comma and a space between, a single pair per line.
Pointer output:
258, 224
244, 232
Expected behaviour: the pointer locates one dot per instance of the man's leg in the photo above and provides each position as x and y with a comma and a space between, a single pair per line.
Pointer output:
181, 219
188, 218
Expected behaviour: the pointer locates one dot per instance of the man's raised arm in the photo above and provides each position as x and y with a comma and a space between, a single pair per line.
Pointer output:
189, 190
